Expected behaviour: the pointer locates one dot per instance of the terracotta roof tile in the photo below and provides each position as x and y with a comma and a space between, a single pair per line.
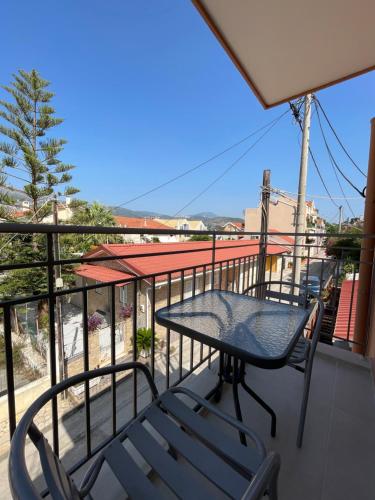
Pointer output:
343, 312
99, 273
139, 222
149, 264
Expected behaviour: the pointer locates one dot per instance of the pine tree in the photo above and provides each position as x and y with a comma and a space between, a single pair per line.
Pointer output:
32, 155
28, 150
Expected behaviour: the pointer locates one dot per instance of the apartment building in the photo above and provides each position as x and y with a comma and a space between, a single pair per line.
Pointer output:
183, 224
282, 217
232, 227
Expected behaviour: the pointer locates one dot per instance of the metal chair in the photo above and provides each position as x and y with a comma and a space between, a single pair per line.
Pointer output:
194, 459
302, 356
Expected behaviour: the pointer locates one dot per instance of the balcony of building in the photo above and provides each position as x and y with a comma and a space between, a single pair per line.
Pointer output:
336, 458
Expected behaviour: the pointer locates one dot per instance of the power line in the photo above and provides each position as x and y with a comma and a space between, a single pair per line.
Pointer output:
335, 162
338, 139
196, 167
296, 114
330, 158
231, 165
321, 196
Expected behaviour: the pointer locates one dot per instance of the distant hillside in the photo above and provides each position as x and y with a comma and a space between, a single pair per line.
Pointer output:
211, 220
137, 213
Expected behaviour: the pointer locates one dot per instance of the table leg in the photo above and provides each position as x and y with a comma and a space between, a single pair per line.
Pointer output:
235, 381
258, 399
217, 390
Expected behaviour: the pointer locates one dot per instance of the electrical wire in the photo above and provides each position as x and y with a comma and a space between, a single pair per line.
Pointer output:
335, 162
231, 165
338, 139
196, 167
320, 196
298, 120
330, 159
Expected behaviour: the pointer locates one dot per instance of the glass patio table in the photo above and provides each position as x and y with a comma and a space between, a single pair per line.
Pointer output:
243, 329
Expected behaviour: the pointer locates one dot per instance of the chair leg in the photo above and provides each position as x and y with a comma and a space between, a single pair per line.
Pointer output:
272, 489
305, 399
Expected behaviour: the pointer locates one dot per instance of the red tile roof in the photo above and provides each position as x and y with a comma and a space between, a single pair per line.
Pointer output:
343, 311
148, 264
99, 273
238, 225
139, 222
287, 240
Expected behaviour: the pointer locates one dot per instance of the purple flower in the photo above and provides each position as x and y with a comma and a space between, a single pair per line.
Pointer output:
126, 311
94, 321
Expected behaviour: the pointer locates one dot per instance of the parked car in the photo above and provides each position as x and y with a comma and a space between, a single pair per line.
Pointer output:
311, 284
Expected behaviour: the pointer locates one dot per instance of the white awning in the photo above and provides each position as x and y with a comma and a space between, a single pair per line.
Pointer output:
288, 48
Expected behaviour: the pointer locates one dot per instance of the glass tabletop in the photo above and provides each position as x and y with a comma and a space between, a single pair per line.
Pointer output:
261, 332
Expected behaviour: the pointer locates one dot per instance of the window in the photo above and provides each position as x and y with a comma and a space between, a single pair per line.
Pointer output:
98, 290
124, 294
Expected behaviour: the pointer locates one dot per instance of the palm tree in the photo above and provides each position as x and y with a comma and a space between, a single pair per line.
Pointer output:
93, 214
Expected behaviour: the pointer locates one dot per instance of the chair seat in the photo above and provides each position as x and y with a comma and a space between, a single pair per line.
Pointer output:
191, 460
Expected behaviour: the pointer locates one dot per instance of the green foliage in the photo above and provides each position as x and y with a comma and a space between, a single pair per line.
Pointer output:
332, 228
23, 249
144, 340
348, 248
88, 215
28, 119
200, 237
16, 352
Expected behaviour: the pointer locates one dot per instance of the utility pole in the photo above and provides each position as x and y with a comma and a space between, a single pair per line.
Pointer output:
301, 200
340, 218
58, 284
265, 203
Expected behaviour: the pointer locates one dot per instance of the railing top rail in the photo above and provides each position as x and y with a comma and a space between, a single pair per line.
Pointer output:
14, 227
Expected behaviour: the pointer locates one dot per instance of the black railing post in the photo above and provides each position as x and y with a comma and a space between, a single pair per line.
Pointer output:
153, 329
9, 370
168, 351
135, 354
213, 260
113, 356
52, 338
86, 367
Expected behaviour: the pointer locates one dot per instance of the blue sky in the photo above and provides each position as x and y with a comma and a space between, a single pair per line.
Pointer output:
146, 92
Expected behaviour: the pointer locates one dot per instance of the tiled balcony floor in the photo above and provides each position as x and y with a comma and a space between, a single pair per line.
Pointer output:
336, 461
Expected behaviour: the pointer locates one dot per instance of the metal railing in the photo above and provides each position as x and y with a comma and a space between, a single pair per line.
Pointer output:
178, 356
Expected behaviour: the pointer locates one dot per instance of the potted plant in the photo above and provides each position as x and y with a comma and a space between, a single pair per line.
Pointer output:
144, 342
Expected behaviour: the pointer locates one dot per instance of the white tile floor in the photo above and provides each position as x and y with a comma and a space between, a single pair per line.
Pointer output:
338, 454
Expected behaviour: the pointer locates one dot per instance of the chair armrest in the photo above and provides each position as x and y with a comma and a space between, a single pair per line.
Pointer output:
265, 477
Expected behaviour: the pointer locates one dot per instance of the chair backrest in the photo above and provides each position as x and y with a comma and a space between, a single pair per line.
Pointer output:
301, 300
59, 483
